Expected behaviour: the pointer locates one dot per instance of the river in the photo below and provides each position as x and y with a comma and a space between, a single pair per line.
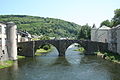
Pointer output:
74, 66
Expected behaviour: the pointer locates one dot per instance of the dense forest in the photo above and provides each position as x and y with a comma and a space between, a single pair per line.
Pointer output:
43, 26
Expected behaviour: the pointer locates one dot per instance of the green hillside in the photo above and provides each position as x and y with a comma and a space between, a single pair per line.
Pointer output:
43, 26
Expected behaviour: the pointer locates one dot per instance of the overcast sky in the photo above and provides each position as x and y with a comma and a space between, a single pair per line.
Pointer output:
77, 11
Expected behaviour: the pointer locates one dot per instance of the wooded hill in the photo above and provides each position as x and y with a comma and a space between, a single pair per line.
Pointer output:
43, 26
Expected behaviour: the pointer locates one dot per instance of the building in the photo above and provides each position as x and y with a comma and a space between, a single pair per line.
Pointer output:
100, 34
114, 44
107, 35
23, 36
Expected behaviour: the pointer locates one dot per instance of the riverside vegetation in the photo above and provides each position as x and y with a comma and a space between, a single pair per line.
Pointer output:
4, 64
109, 56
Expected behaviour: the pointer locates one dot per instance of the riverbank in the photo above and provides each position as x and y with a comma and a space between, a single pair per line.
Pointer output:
109, 56
8, 63
39, 52
5, 64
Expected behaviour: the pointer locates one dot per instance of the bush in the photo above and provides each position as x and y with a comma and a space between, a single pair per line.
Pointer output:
46, 47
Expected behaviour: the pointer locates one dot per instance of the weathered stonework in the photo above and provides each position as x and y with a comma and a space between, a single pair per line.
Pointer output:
29, 48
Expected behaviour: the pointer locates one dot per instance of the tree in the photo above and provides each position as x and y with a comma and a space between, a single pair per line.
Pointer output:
116, 18
85, 32
106, 23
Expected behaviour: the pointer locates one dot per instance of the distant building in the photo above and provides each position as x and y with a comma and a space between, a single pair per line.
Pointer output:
100, 34
107, 35
23, 36
114, 44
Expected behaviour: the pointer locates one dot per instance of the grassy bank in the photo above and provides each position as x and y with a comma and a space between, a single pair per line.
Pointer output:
20, 57
41, 51
5, 64
80, 50
109, 56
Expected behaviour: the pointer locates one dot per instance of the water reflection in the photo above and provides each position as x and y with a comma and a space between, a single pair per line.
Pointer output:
71, 67
61, 61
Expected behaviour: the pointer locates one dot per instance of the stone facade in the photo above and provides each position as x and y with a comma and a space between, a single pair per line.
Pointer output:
3, 48
114, 44
8, 44
23, 36
108, 35
100, 34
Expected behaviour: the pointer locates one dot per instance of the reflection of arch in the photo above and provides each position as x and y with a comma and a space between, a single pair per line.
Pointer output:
62, 61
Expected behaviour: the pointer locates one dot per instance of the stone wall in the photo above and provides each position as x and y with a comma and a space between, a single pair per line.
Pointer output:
28, 48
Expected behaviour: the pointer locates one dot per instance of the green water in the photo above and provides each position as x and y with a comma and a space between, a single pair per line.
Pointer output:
74, 66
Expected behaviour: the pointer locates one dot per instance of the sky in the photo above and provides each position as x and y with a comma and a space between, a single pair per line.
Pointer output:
77, 11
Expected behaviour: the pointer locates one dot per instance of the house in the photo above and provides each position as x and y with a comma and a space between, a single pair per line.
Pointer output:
23, 36
107, 35
100, 34
114, 44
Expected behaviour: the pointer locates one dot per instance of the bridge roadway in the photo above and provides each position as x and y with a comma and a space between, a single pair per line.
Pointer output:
29, 48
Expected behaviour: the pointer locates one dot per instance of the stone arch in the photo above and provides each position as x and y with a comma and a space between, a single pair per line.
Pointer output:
41, 42
78, 42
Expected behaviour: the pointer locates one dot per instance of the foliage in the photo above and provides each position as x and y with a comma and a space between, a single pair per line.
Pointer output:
42, 51
85, 32
114, 21
4, 64
21, 57
116, 18
43, 26
110, 56
81, 49
46, 47
106, 23
44, 38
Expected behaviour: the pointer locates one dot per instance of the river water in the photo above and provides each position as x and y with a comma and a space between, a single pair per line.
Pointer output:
74, 66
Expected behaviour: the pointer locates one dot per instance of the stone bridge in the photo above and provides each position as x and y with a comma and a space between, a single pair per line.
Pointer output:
29, 48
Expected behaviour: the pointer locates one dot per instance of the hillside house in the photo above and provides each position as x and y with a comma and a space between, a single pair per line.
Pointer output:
23, 36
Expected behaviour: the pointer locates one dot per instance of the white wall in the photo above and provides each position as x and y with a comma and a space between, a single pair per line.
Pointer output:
100, 35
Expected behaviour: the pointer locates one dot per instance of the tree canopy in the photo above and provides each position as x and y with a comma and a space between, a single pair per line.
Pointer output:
114, 21
85, 32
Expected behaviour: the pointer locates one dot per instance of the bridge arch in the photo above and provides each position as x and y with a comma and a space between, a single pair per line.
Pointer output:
52, 42
37, 46
71, 42
73, 45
